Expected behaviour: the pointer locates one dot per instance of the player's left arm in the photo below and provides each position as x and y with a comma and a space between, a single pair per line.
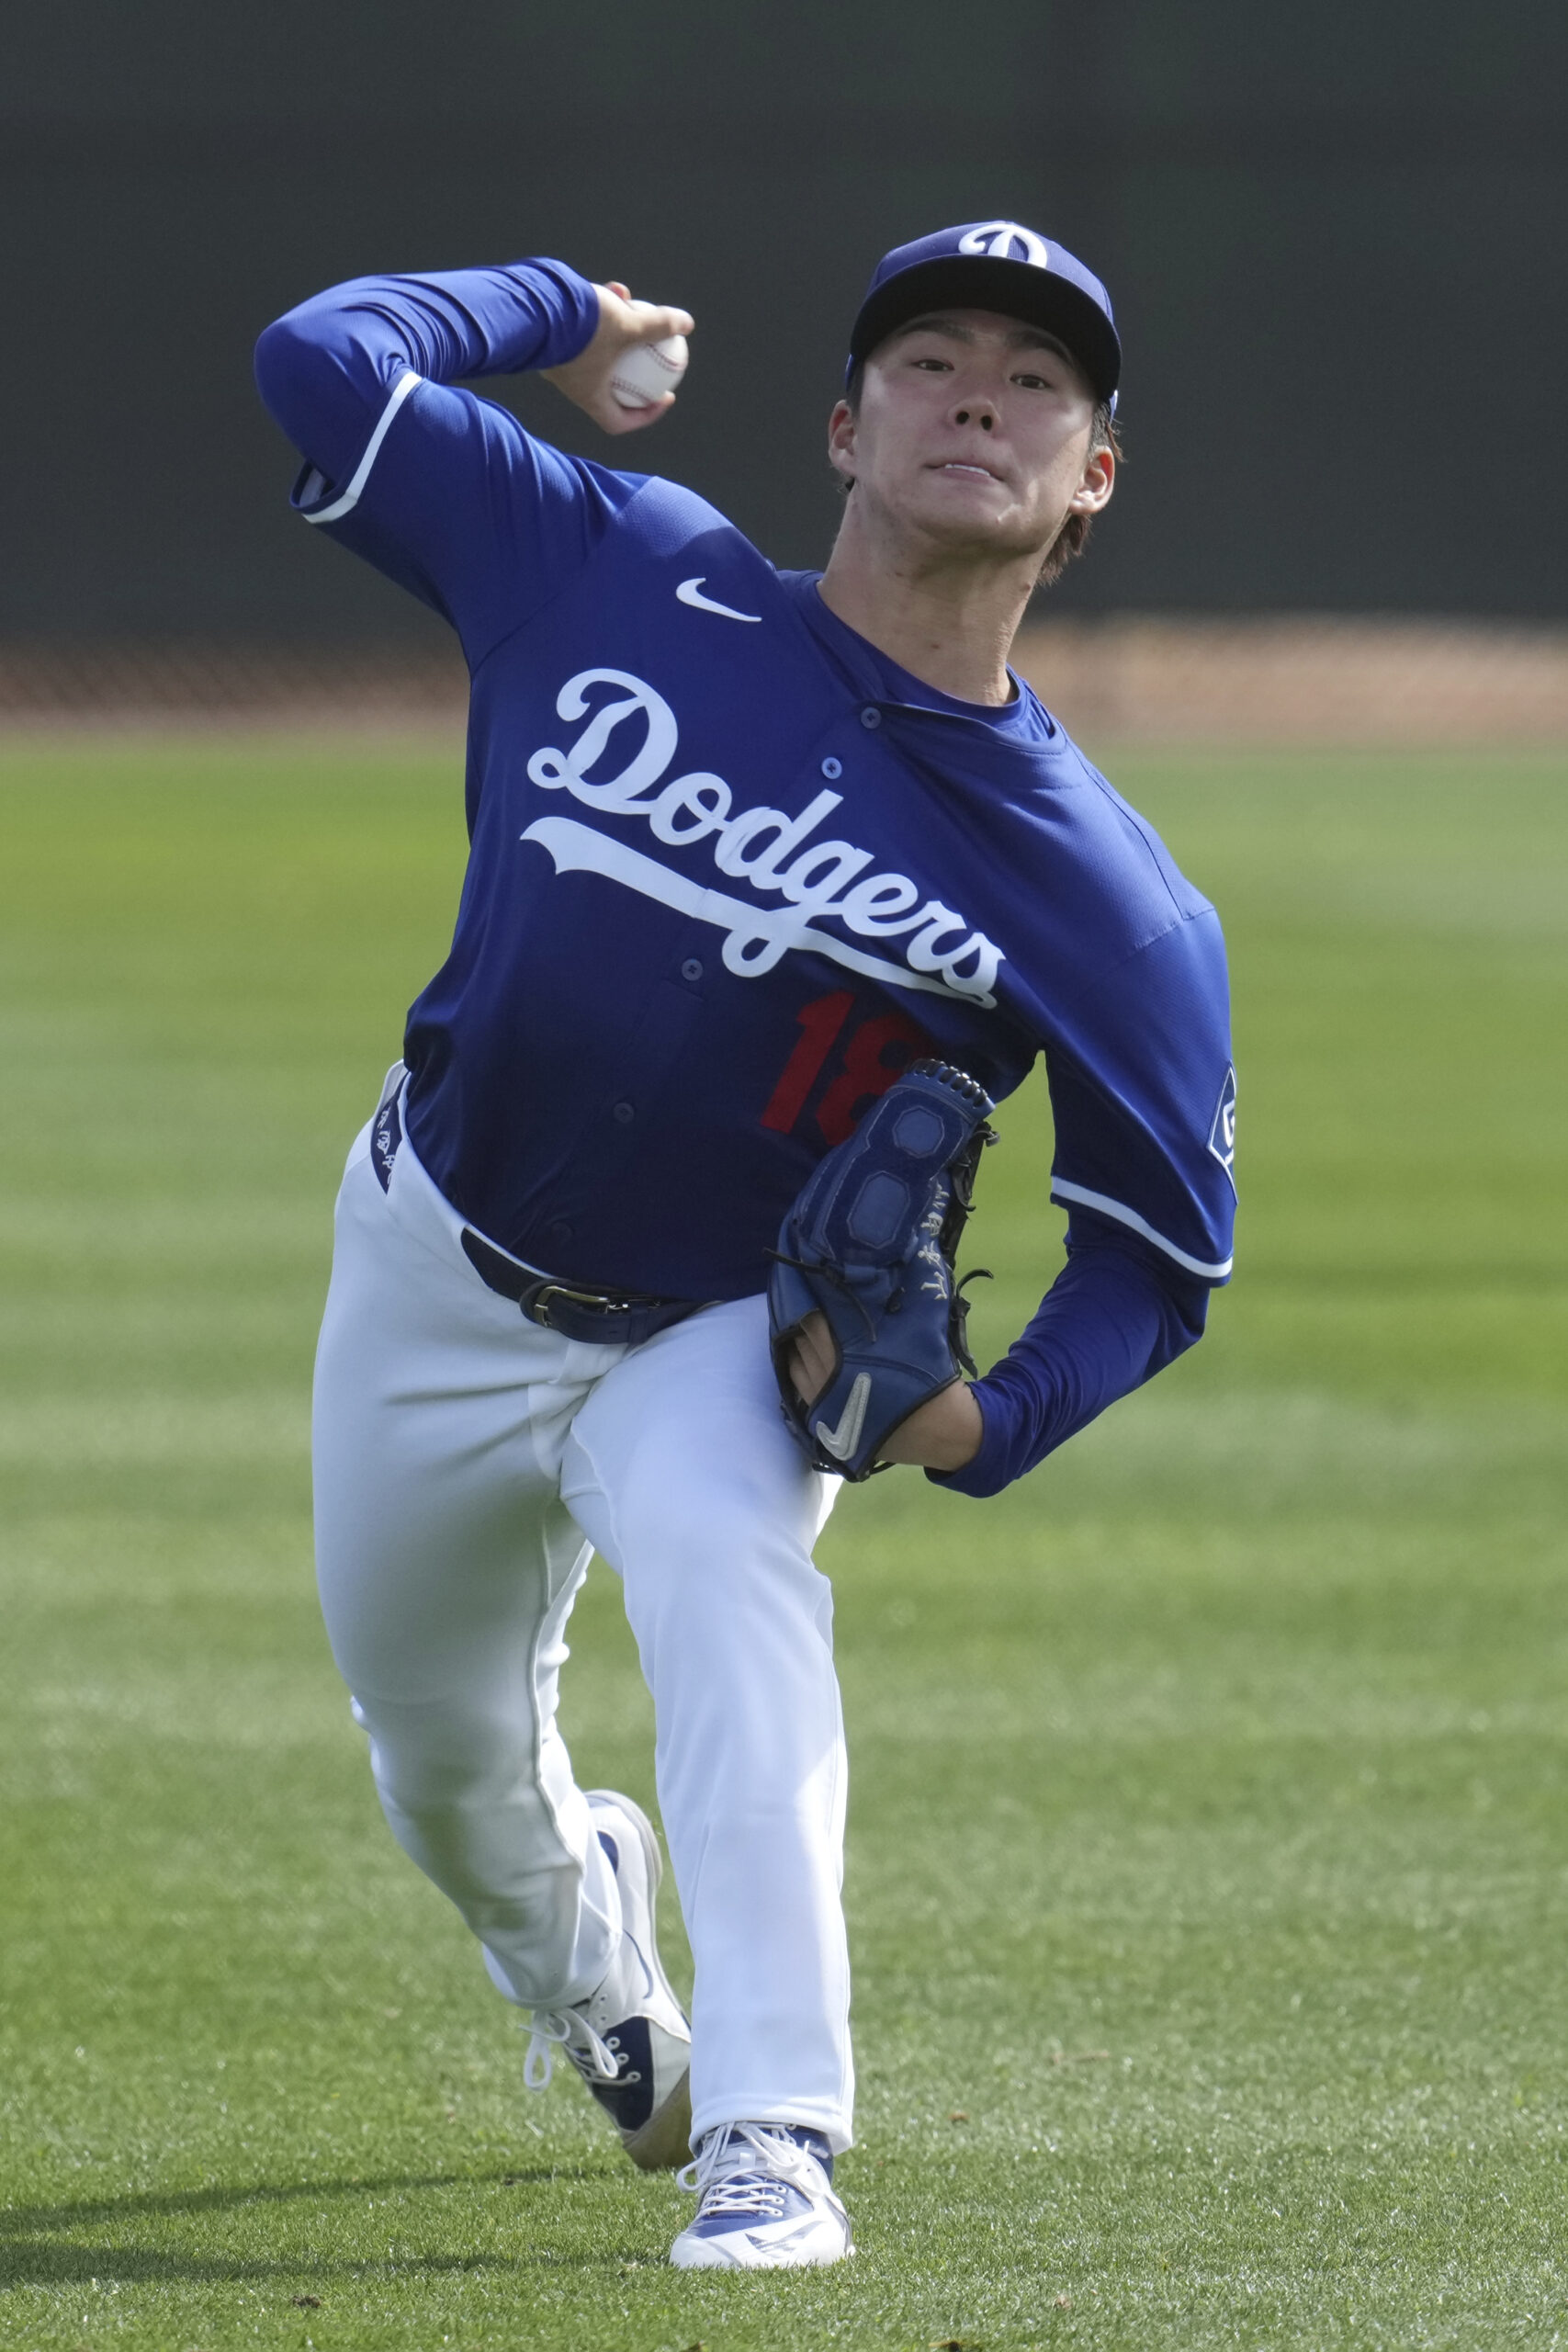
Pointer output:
1114, 1316
1144, 1096
1106, 1326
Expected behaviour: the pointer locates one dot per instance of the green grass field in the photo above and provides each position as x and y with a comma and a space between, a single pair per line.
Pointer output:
1208, 1868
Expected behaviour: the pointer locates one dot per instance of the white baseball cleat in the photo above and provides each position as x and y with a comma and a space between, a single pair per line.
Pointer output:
629, 2040
766, 2203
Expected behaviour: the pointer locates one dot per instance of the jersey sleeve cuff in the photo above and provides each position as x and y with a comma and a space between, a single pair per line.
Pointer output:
991, 1470
571, 303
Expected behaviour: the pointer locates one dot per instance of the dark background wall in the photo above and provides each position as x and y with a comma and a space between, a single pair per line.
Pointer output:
1337, 238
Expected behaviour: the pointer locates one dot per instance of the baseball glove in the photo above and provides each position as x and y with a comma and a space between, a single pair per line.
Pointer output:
870, 1244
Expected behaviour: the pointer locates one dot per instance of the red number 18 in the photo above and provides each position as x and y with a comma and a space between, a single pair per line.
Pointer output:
873, 1056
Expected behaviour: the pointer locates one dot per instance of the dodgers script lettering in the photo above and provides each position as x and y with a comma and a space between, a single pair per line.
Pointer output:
821, 883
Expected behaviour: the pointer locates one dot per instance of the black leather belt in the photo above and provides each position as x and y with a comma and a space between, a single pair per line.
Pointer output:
603, 1318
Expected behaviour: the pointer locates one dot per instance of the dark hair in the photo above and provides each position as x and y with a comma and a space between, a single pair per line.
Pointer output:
1073, 537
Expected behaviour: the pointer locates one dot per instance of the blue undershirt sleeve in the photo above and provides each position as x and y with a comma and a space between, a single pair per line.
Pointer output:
443, 492
1112, 1318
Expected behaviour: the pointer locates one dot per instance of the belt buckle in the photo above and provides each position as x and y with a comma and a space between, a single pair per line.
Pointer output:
590, 1298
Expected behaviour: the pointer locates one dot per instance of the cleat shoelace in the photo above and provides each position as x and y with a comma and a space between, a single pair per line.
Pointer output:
761, 2196
553, 2030
596, 2060
744, 2170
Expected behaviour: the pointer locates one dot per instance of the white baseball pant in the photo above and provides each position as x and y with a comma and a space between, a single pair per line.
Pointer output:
467, 1463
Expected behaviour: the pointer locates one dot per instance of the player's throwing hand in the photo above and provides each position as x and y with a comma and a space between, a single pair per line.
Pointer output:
624, 327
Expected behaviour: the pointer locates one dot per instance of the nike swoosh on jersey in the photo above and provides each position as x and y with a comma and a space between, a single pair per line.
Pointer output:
841, 1442
690, 592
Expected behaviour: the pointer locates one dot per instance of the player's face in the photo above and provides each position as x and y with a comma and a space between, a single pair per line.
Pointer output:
974, 432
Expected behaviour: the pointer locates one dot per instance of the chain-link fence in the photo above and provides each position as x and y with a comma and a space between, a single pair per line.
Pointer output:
189, 682
1331, 681
1328, 681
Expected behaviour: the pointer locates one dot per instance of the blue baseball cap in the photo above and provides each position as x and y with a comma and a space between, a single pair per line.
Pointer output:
994, 266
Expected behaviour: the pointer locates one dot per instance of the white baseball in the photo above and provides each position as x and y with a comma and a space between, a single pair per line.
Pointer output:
648, 370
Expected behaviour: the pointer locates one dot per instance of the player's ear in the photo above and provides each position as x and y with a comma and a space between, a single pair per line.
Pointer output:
841, 440
1098, 481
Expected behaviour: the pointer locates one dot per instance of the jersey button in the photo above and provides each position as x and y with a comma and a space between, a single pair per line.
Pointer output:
871, 715
561, 1233
624, 1113
691, 970
832, 770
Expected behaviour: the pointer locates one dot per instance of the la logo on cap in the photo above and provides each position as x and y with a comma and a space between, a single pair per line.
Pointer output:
1001, 234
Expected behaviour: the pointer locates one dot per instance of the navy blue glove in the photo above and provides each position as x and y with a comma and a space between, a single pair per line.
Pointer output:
870, 1244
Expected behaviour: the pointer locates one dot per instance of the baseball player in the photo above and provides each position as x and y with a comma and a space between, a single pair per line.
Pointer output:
744, 846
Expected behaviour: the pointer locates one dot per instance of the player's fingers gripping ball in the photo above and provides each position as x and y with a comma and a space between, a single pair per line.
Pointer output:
646, 371
871, 1245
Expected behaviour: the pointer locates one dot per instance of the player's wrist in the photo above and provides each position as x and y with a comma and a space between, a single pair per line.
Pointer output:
943, 1434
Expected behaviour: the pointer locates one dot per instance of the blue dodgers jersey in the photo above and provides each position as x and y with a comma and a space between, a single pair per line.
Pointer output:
730, 870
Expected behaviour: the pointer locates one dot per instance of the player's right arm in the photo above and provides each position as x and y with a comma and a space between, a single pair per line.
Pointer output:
439, 490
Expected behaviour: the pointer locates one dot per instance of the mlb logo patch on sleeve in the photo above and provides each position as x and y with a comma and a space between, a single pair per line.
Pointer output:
1222, 1135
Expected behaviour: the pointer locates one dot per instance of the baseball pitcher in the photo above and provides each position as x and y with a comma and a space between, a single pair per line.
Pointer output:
777, 881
